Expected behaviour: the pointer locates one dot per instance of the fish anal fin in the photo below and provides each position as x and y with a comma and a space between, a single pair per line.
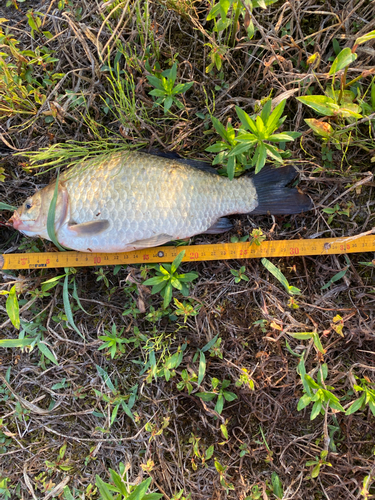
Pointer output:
91, 228
222, 225
154, 241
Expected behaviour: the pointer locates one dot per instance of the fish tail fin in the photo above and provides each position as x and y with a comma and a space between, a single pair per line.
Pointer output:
274, 197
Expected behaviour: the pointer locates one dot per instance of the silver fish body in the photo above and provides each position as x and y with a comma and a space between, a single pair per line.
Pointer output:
134, 200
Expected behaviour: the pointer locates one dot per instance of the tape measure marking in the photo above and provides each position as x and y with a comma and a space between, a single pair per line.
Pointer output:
220, 251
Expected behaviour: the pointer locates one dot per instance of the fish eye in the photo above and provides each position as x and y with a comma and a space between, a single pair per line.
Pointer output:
28, 205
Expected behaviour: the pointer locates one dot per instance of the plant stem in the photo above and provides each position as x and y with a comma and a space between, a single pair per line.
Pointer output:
235, 21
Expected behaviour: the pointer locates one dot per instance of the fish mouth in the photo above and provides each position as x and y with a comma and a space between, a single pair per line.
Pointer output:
16, 222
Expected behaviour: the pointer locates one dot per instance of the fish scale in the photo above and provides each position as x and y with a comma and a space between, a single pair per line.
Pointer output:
133, 200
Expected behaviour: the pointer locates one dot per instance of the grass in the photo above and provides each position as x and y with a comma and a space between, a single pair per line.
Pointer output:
257, 379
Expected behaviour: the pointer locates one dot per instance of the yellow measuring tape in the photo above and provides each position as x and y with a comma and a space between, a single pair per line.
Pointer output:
193, 253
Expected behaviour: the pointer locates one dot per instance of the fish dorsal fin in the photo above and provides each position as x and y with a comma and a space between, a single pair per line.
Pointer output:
154, 241
171, 155
91, 228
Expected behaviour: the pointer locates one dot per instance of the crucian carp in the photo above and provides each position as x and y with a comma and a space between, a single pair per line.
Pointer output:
133, 200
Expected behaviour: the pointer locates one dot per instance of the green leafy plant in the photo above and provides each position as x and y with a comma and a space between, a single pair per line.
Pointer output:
367, 398
224, 479
61, 462
25, 75
116, 400
245, 379
337, 210
12, 306
292, 290
186, 379
253, 142
122, 489
239, 275
211, 346
277, 487
4, 488
186, 309
200, 452
113, 342
338, 276
167, 278
35, 338
257, 237
165, 89
342, 100
226, 13
307, 336
218, 391
317, 392
318, 463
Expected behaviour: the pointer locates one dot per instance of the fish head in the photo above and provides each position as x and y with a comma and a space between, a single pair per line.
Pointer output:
27, 218
31, 217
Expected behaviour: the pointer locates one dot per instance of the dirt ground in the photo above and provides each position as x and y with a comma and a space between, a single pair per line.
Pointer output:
260, 445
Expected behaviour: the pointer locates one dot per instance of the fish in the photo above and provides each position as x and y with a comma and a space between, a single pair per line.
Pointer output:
131, 200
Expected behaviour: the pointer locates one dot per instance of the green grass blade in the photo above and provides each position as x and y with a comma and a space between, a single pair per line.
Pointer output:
67, 308
51, 217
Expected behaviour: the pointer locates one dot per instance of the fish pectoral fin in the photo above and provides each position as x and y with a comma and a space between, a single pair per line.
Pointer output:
91, 228
154, 241
221, 226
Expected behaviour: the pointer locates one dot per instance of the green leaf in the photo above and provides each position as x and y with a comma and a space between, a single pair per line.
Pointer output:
156, 82
262, 155
5, 206
157, 93
321, 128
16, 342
177, 261
344, 58
266, 111
220, 129
210, 451
277, 273
273, 120
231, 167
103, 489
365, 38
334, 278
304, 401
167, 295
277, 486
67, 307
241, 148
247, 122
315, 471
67, 494
47, 353
319, 103
318, 343
154, 281
229, 396
301, 335
13, 308
217, 147
168, 103
219, 404
273, 153
202, 368
206, 396
51, 217
209, 344
315, 410
284, 137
